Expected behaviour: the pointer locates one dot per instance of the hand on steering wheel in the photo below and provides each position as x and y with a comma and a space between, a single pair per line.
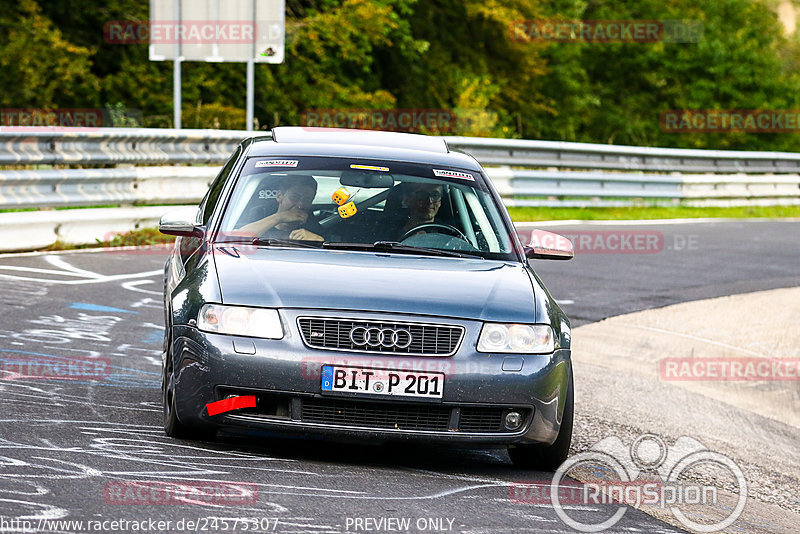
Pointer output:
448, 229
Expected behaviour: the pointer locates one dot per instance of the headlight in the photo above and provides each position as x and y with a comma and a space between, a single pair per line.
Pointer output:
240, 321
524, 338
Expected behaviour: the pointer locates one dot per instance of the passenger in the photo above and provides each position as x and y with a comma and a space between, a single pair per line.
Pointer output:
292, 219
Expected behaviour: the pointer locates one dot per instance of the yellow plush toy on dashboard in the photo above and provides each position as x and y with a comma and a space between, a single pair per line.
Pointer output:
348, 210
340, 196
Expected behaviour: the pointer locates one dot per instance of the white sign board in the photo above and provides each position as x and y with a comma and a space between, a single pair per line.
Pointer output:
217, 30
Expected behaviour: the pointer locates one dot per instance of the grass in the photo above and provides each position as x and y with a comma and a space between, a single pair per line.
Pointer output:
522, 214
16, 210
62, 208
141, 237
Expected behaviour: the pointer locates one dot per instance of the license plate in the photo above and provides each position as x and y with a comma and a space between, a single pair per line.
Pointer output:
340, 379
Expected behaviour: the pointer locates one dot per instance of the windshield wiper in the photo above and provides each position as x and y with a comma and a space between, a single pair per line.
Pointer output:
395, 246
272, 242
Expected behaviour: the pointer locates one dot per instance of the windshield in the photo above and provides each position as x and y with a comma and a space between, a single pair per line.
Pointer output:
341, 202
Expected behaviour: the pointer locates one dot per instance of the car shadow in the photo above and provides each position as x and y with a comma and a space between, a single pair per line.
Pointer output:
404, 455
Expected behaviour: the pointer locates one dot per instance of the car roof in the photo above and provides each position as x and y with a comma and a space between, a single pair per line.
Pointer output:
348, 136
369, 144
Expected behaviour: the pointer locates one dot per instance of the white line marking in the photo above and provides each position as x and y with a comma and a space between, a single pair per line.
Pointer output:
112, 278
132, 286
35, 270
57, 261
697, 338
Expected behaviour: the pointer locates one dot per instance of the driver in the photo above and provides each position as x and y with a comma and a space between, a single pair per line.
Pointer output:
292, 219
423, 201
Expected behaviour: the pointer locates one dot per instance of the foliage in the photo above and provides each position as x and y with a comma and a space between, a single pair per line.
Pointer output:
446, 54
41, 68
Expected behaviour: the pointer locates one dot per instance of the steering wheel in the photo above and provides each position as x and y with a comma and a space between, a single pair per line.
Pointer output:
448, 229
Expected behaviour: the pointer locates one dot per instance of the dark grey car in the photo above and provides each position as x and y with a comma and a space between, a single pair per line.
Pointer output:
361, 284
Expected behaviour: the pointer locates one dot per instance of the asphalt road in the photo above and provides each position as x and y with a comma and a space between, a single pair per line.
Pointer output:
93, 450
688, 261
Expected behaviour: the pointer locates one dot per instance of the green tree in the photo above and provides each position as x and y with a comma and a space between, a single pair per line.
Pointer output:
462, 55
40, 68
614, 92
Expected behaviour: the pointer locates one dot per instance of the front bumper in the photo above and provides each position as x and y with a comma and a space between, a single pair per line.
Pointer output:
284, 375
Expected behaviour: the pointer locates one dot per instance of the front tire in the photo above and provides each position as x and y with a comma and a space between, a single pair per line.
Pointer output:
548, 458
172, 425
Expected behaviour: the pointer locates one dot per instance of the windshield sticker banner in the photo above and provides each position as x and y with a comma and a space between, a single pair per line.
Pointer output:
453, 174
277, 163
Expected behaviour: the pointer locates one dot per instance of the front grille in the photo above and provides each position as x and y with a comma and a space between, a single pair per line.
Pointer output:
376, 415
426, 339
476, 419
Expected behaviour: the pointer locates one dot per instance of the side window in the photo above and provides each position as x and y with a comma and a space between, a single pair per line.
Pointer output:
212, 197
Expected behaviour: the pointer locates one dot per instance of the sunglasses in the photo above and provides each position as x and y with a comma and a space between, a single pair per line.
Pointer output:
421, 196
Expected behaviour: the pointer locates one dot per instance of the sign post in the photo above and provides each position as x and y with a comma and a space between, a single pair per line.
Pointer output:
216, 31
176, 75
251, 77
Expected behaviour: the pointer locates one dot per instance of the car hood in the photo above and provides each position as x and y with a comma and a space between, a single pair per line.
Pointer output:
377, 282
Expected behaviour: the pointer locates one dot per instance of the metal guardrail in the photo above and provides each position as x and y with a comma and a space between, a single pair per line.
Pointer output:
102, 146
596, 188
97, 187
625, 158
533, 173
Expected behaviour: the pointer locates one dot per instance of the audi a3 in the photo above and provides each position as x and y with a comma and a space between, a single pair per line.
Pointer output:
368, 285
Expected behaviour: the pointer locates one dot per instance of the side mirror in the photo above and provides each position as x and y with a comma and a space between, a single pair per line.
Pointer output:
182, 222
549, 246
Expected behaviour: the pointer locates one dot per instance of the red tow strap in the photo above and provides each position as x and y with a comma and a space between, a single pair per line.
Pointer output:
234, 403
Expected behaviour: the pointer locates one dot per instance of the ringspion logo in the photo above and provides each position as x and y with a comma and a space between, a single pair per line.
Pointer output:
648, 473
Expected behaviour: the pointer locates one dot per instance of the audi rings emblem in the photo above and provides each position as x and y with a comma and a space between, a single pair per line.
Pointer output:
380, 337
